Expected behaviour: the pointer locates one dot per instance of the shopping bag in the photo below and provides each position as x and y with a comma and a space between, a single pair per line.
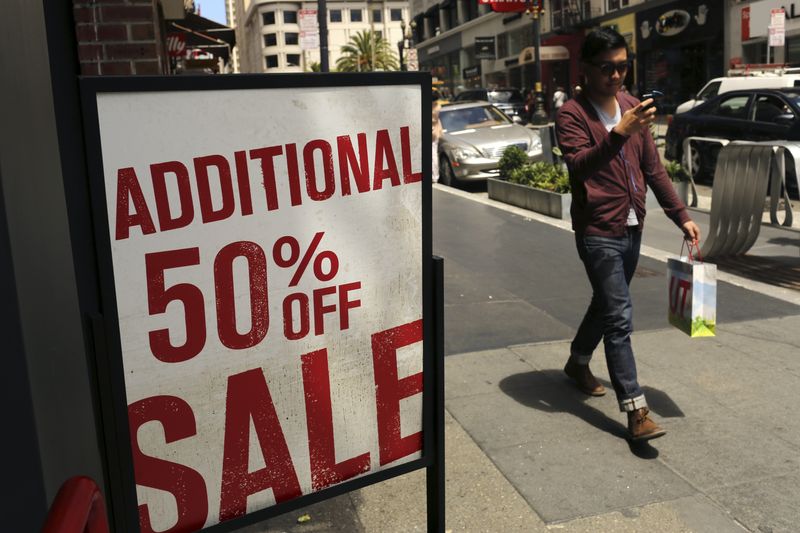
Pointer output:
692, 286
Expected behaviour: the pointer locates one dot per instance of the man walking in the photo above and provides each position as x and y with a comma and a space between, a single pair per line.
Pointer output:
611, 157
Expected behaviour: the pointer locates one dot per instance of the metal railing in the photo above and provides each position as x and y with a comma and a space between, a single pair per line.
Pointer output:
687, 156
77, 508
778, 176
744, 172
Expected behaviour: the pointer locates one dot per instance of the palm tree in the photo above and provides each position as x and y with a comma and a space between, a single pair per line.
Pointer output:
364, 48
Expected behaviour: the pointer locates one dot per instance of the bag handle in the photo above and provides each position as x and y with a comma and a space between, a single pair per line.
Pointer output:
689, 245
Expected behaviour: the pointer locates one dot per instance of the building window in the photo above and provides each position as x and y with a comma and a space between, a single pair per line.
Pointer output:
356, 15
290, 38
472, 10
613, 5
290, 17
377, 15
587, 10
293, 60
336, 15
270, 39
268, 18
502, 45
556, 11
395, 15
272, 61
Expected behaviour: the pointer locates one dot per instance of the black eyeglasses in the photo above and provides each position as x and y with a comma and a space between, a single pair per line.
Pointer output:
607, 68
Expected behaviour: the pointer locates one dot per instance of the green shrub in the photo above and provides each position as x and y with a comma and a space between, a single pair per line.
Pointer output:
513, 158
542, 175
676, 172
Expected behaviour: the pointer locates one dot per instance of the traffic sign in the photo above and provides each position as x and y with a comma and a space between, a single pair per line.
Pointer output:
777, 18
307, 20
777, 36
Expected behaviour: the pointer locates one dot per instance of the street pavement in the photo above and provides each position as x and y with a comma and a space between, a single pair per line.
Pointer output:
527, 452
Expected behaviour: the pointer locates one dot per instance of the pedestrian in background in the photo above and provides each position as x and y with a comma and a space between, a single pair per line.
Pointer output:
559, 97
605, 140
436, 133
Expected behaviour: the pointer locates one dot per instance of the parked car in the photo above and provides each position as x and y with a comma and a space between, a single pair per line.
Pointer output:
475, 135
736, 83
751, 115
508, 100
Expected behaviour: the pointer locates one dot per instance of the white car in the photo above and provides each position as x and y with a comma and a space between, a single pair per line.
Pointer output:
474, 137
735, 83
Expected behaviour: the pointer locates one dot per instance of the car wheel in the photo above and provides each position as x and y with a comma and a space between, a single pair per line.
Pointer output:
446, 174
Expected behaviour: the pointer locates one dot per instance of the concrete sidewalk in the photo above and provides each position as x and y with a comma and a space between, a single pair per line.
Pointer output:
527, 452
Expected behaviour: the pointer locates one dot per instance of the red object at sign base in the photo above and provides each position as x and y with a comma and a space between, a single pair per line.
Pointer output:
78, 508
510, 6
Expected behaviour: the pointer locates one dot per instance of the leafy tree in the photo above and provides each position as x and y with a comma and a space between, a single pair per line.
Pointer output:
314, 67
364, 48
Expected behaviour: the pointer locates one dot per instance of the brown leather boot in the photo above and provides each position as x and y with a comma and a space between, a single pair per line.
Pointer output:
584, 379
641, 427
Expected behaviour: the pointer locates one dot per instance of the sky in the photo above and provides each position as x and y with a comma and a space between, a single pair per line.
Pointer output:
212, 9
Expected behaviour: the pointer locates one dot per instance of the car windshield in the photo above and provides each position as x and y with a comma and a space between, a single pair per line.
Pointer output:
471, 117
505, 96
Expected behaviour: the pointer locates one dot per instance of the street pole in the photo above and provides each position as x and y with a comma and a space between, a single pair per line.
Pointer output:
322, 19
539, 115
402, 44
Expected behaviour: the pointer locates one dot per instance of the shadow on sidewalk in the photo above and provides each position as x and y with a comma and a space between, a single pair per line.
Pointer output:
551, 391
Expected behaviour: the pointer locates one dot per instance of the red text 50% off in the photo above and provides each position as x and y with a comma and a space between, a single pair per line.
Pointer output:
298, 308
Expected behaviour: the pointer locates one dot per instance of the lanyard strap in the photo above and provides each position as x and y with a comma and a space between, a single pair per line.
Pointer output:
628, 168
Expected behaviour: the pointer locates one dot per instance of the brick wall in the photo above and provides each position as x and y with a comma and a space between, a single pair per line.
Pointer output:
117, 37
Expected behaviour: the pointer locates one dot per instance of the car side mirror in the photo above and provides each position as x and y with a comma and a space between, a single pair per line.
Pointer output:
516, 119
787, 119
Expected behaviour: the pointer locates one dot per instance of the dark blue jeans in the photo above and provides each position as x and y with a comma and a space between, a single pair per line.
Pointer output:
610, 263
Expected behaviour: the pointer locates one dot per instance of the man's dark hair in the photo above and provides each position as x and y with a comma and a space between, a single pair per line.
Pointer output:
602, 40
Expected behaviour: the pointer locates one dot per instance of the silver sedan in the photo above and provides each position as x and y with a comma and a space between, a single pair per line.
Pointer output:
475, 135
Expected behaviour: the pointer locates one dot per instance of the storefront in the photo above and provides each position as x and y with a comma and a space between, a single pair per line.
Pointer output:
443, 61
562, 69
679, 47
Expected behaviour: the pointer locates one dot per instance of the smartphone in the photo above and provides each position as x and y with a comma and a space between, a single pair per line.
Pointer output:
655, 95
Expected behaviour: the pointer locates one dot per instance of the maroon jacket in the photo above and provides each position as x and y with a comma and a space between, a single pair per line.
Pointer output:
608, 171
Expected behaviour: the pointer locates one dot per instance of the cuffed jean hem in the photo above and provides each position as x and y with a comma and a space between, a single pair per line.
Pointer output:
580, 359
632, 404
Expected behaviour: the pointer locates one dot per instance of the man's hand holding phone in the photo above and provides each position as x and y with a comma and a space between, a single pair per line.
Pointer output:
639, 117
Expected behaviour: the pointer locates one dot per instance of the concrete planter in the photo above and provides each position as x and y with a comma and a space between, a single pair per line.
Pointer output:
681, 188
548, 203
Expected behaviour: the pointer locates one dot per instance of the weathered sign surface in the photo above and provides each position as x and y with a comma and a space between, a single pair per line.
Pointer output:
267, 271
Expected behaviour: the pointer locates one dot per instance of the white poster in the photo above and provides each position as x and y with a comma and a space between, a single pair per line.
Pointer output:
267, 257
309, 40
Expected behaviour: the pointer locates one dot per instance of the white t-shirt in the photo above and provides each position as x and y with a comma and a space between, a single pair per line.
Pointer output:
609, 122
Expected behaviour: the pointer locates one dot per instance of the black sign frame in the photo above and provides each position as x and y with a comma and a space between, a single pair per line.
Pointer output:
486, 47
108, 352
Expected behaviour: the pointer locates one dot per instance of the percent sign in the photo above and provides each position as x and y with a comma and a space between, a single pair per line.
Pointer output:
294, 256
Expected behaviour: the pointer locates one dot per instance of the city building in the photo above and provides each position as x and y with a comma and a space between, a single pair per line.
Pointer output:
230, 20
269, 31
748, 22
679, 44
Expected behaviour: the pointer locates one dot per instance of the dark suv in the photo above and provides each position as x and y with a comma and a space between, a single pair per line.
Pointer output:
746, 115
508, 100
